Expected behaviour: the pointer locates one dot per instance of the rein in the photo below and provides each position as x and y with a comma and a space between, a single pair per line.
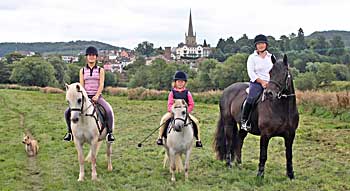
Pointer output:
82, 111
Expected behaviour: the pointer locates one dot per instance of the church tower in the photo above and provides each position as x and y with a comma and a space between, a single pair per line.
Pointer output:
190, 38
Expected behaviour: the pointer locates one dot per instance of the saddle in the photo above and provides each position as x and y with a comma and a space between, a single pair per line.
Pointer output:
167, 128
101, 116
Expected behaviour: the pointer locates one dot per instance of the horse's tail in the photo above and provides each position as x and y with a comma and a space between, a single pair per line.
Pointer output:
226, 131
220, 139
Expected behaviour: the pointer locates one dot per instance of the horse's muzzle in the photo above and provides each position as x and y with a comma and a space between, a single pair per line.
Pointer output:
177, 128
75, 120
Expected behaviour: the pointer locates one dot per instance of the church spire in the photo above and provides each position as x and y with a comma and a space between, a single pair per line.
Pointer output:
190, 27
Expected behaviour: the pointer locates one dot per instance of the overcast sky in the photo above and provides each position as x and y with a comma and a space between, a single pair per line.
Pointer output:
126, 23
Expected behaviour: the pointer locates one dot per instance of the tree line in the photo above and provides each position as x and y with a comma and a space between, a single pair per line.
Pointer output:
313, 62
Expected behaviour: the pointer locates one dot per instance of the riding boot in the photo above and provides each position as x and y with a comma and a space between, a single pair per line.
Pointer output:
110, 137
245, 114
196, 135
160, 141
68, 136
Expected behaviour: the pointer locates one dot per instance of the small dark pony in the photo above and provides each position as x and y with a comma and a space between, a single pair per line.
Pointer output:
275, 114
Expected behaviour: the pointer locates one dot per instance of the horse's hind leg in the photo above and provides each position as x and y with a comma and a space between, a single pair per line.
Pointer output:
109, 157
88, 157
288, 142
264, 143
229, 141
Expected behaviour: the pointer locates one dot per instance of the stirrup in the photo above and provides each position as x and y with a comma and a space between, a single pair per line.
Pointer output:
245, 126
110, 138
199, 144
160, 141
68, 137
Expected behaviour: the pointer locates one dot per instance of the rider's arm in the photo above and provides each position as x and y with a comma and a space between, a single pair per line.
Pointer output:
81, 77
170, 101
102, 83
190, 102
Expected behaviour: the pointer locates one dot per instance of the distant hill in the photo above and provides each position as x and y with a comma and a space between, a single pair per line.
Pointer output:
345, 35
46, 48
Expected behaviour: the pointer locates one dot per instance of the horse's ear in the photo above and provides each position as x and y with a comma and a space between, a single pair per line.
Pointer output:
67, 86
285, 59
273, 59
78, 88
184, 102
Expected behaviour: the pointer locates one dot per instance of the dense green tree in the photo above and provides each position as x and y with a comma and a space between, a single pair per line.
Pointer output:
231, 71
34, 71
300, 40
60, 69
5, 72
337, 47
145, 48
341, 71
306, 81
73, 73
13, 57
111, 79
221, 44
324, 74
218, 55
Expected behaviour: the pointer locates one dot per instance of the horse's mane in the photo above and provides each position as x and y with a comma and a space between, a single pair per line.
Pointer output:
77, 87
179, 102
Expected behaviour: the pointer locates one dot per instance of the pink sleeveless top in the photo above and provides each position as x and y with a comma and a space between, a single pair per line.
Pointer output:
91, 79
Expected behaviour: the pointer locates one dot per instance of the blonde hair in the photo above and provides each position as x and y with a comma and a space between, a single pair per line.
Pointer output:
173, 84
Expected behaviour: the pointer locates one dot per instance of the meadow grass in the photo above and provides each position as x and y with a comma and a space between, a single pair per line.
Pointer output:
321, 151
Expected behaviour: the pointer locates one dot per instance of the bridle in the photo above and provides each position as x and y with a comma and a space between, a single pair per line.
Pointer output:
82, 111
82, 106
281, 94
181, 119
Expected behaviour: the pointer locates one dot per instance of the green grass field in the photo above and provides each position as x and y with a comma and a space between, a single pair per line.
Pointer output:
321, 151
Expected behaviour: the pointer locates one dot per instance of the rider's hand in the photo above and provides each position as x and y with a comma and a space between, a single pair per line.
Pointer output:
95, 98
264, 84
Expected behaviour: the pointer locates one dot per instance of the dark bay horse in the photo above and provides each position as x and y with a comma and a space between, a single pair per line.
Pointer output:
275, 114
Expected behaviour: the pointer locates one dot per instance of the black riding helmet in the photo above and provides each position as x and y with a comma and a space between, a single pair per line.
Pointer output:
91, 50
259, 39
180, 75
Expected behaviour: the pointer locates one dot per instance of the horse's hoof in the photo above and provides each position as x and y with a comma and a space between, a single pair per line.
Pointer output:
172, 179
238, 165
290, 175
80, 179
229, 165
260, 174
94, 178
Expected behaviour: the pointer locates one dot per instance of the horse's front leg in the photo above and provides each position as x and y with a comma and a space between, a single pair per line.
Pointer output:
239, 145
109, 158
94, 145
79, 147
172, 164
187, 162
288, 142
264, 143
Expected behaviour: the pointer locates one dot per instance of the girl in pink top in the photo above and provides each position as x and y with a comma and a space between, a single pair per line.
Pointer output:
179, 91
92, 78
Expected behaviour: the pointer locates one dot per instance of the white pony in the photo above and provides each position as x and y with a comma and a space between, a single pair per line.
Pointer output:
85, 128
179, 139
